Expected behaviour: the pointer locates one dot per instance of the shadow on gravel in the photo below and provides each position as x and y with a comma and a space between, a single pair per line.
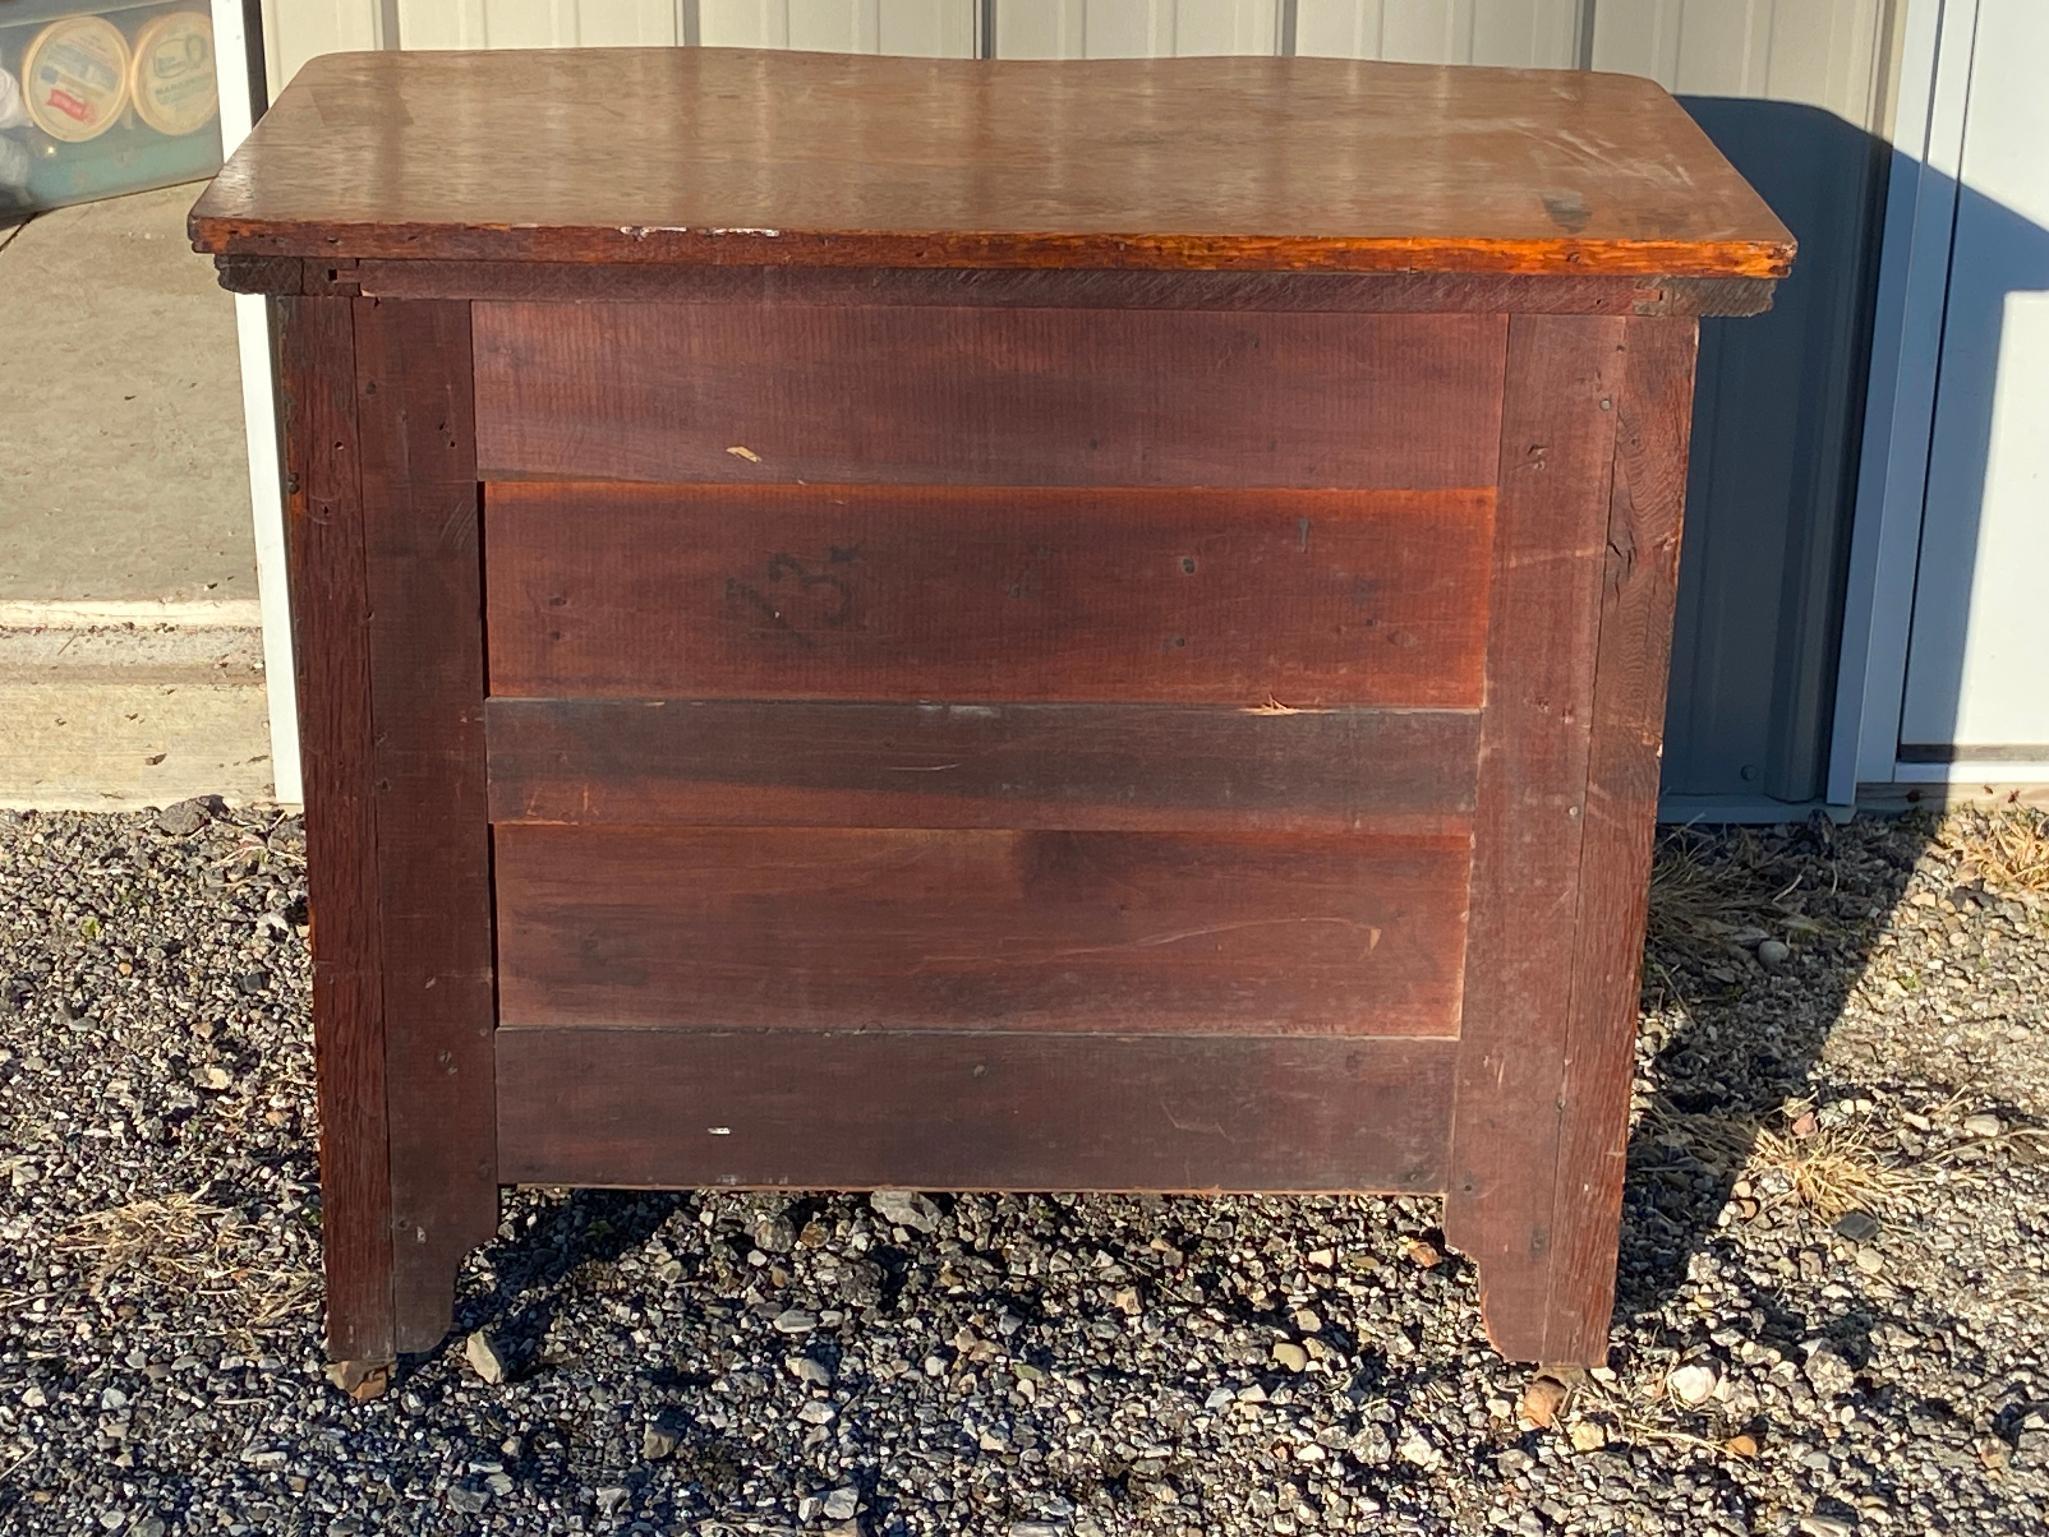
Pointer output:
589, 1228
1757, 941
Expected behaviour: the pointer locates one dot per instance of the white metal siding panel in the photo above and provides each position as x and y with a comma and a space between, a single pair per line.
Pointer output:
944, 29
1824, 53
1540, 34
297, 30
535, 23
1978, 667
1122, 29
930, 28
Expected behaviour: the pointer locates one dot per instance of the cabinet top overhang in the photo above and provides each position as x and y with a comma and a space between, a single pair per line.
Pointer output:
738, 157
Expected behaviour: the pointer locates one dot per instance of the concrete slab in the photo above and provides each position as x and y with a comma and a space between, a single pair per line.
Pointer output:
123, 476
99, 720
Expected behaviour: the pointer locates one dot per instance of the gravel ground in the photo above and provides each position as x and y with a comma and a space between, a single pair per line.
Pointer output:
1832, 1316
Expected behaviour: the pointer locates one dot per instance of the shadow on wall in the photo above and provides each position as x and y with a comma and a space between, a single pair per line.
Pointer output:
1777, 411
1777, 434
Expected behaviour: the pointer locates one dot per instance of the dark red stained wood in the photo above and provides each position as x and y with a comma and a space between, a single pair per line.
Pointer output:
1108, 767
423, 570
746, 158
1654, 408
962, 1111
1015, 287
896, 395
1551, 519
330, 610
813, 929
981, 594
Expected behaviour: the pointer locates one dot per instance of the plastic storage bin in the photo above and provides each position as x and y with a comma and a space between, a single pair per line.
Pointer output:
98, 100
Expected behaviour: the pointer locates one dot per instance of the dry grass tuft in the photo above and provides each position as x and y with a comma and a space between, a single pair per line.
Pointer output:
1703, 909
207, 1250
2010, 846
1832, 1169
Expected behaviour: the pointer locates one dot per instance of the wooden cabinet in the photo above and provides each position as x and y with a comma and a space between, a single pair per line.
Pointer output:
1003, 626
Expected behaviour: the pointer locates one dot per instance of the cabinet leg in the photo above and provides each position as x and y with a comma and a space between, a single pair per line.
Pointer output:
425, 1258
397, 1297
1546, 1295
382, 545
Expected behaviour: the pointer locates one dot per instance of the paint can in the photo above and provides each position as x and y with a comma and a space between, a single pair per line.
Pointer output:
172, 79
74, 78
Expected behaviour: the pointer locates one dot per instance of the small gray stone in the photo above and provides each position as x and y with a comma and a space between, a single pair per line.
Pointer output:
795, 1321
841, 1504
482, 1354
1694, 1383
906, 1208
612, 1498
815, 1413
1827, 1372
1983, 1124
774, 1235
657, 1441
1420, 1450
1291, 1355
1857, 1226
1773, 953
181, 819
469, 1500
812, 1372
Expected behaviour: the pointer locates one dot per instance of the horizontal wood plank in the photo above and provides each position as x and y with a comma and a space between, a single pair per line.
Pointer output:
983, 594
809, 929
1109, 767
681, 1108
877, 394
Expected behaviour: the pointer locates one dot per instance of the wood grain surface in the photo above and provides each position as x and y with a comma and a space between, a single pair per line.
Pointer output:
1654, 414
1557, 436
770, 394
330, 650
1103, 767
837, 929
771, 158
668, 1108
423, 574
983, 594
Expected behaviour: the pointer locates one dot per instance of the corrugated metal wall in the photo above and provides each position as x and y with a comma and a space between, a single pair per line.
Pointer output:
1795, 91
1822, 52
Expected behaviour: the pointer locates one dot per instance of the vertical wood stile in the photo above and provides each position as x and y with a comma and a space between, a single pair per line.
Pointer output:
1557, 435
330, 611
423, 571
1654, 411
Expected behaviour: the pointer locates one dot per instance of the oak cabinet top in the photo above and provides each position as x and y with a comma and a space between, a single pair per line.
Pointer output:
712, 156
